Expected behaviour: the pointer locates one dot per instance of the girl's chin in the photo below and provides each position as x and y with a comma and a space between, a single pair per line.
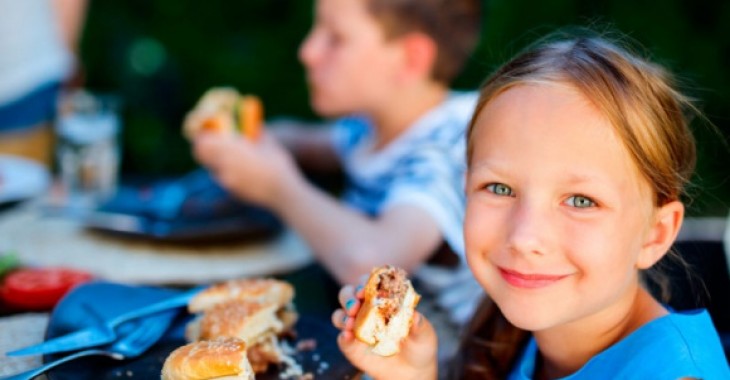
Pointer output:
528, 319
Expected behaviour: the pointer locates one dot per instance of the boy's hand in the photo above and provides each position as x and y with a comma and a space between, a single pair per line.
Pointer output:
257, 172
416, 359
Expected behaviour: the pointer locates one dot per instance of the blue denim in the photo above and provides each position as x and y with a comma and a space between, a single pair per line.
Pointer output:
30, 110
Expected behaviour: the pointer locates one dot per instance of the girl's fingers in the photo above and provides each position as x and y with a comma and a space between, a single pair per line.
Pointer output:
418, 351
342, 321
352, 293
422, 340
421, 329
361, 285
352, 348
339, 318
360, 290
346, 336
346, 293
417, 322
350, 303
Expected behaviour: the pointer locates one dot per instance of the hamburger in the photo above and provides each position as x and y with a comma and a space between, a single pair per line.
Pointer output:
256, 311
223, 110
250, 290
219, 359
386, 314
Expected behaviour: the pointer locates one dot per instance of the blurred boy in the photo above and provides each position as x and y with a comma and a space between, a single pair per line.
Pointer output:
385, 68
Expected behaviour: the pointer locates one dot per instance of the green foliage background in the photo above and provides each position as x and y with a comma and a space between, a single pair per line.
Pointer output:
160, 56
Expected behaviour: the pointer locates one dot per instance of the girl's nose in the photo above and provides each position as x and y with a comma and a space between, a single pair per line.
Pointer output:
529, 229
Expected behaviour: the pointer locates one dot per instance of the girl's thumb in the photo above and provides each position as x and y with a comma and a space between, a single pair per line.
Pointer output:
421, 330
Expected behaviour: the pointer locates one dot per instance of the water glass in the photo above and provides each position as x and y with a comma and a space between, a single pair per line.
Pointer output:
87, 150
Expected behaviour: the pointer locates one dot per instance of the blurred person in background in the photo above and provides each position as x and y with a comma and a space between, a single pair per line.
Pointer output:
38, 56
383, 71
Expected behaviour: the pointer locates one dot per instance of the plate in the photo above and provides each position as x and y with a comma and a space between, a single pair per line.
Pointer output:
21, 178
252, 225
190, 209
110, 299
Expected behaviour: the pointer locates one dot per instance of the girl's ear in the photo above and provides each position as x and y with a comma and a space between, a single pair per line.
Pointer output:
666, 224
419, 55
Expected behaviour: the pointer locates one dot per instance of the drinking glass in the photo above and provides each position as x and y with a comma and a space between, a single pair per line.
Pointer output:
87, 148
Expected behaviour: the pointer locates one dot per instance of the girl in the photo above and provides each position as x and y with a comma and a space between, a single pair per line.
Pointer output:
578, 153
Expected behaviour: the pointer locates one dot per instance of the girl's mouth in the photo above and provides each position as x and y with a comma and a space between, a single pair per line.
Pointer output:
529, 281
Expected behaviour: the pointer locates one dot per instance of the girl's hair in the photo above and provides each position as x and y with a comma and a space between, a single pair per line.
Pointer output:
637, 97
454, 25
649, 115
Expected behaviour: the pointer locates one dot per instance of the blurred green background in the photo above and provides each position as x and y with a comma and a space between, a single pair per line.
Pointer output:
161, 55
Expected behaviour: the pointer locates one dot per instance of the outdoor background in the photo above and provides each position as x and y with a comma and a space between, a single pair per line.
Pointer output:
160, 56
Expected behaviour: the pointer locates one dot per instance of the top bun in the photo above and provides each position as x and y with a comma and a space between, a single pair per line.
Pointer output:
262, 290
215, 359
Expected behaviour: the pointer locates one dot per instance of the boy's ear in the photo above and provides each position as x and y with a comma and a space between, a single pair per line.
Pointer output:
420, 53
666, 224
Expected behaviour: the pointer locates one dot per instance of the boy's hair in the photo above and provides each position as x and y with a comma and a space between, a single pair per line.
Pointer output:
649, 116
454, 25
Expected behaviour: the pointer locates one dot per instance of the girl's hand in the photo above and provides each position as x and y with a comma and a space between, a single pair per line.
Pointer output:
416, 359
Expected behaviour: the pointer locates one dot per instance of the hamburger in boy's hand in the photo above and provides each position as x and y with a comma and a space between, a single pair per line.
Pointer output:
386, 314
223, 110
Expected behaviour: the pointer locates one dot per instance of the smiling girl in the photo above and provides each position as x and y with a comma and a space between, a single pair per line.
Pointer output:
578, 153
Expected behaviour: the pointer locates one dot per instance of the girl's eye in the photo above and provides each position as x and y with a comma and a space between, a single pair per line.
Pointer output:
499, 189
580, 201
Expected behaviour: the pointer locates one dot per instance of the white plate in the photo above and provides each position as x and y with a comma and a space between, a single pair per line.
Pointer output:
21, 178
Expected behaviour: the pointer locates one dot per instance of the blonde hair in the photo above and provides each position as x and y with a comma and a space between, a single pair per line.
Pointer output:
648, 113
638, 97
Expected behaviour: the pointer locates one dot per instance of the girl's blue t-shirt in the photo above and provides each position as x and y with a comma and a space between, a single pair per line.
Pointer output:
671, 347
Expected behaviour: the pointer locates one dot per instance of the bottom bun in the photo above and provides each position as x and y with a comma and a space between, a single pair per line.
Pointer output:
386, 315
215, 359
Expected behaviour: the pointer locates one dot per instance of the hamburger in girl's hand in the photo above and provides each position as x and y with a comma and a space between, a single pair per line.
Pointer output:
386, 315
381, 328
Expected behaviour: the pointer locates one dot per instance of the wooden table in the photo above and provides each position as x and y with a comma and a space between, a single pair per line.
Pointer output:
40, 240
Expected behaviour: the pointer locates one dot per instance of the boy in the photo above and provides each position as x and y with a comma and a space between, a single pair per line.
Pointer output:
386, 66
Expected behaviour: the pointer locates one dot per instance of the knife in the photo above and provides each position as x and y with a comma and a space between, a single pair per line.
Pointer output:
104, 333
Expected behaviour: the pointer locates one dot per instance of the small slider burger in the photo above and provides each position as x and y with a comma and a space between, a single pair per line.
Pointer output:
256, 311
220, 359
223, 110
386, 315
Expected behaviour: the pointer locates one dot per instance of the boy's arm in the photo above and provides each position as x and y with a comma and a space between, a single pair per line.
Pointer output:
349, 243
346, 241
310, 143
70, 18
70, 15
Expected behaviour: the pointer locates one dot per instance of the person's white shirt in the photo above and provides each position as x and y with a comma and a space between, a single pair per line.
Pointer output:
32, 50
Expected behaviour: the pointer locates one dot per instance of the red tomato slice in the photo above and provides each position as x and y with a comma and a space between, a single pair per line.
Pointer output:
39, 288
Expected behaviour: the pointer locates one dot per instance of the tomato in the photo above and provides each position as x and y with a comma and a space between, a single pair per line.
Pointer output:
39, 288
